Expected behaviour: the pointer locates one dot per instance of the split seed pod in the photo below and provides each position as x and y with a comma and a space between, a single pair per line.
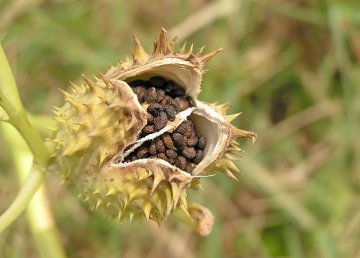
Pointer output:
102, 125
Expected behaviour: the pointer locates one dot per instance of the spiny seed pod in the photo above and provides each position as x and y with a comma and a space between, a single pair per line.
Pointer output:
136, 139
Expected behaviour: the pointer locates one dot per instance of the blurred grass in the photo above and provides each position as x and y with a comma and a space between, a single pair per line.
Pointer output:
291, 67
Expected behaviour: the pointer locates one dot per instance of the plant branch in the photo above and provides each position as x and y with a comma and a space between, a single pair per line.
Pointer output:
39, 214
11, 103
29, 188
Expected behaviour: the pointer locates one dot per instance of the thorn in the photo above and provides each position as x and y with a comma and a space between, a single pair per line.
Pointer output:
160, 43
111, 191
158, 177
183, 204
206, 58
175, 192
119, 216
65, 93
131, 216
89, 83
230, 174
159, 206
171, 44
75, 104
230, 157
106, 81
182, 50
200, 51
169, 202
139, 54
230, 118
232, 166
98, 203
191, 49
102, 157
147, 209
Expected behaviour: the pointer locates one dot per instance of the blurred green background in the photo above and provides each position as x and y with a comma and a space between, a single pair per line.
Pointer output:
293, 69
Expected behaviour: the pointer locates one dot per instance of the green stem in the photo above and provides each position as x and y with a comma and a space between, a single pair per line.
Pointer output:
11, 103
29, 188
38, 211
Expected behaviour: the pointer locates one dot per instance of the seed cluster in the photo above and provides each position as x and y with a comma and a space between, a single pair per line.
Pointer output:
184, 147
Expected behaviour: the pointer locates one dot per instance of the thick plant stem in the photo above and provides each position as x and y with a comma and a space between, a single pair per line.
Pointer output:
32, 183
11, 103
38, 212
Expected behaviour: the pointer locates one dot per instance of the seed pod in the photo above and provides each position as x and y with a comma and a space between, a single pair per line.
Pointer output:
103, 130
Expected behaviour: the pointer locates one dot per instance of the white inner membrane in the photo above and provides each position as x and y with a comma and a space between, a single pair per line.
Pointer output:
207, 121
181, 117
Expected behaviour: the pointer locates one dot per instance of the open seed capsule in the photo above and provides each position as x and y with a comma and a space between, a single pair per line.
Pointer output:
135, 140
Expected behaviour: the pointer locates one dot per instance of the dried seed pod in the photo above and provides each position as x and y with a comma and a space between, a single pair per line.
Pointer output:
103, 130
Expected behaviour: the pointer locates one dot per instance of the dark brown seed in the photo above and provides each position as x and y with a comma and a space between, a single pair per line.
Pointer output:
182, 103
164, 101
185, 128
163, 156
157, 81
139, 83
150, 95
171, 154
148, 129
189, 152
160, 95
177, 92
191, 101
155, 109
160, 121
189, 167
178, 140
150, 118
140, 92
173, 103
168, 142
192, 141
143, 152
180, 162
170, 86
199, 156
201, 142
170, 112
152, 148
160, 147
